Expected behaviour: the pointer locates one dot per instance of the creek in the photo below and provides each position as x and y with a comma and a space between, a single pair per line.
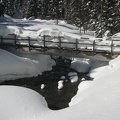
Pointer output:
56, 98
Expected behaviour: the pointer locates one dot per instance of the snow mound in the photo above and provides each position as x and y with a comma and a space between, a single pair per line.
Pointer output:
62, 77
49, 32
42, 86
60, 84
13, 67
73, 79
80, 65
115, 63
72, 74
17, 103
7, 30
99, 99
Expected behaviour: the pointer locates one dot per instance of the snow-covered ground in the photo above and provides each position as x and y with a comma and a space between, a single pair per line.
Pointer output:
36, 28
95, 100
14, 67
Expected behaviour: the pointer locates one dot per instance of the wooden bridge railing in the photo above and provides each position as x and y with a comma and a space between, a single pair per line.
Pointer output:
60, 44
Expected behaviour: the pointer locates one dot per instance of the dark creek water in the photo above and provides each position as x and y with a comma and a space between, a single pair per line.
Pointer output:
56, 99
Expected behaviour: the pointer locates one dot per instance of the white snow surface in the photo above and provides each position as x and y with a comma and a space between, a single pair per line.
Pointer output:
95, 100
6, 30
74, 79
49, 31
13, 66
42, 86
72, 74
81, 65
62, 77
36, 29
60, 84
19, 103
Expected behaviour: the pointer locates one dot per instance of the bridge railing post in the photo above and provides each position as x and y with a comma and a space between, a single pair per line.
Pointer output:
76, 45
15, 42
1, 40
29, 43
111, 47
93, 46
44, 42
59, 38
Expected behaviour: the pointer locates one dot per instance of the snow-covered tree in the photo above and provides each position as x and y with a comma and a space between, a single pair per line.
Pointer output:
10, 7
32, 8
106, 19
98, 15
39, 9
17, 13
2, 7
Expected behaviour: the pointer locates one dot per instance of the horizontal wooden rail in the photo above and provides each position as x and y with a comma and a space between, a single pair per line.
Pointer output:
77, 45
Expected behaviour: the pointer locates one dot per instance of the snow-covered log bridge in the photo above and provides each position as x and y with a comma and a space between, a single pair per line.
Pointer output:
60, 46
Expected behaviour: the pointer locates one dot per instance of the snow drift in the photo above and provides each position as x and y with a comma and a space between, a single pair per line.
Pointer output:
7, 30
13, 67
19, 103
81, 65
96, 100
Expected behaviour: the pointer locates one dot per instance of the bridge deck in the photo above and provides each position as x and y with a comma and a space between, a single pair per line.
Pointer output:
60, 47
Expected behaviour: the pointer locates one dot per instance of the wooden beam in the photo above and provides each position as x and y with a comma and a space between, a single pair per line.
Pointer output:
44, 42
111, 47
93, 47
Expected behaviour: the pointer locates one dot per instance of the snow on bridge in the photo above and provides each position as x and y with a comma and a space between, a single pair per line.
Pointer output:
61, 46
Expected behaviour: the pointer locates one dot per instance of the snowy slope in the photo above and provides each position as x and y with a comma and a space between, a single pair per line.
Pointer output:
18, 103
98, 99
13, 67
36, 28
95, 100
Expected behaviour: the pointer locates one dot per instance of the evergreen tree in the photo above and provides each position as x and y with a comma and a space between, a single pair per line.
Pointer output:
39, 9
32, 8
17, 13
98, 15
25, 7
10, 7
2, 7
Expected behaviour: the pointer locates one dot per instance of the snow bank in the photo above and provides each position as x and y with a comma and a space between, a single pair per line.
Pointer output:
73, 79
6, 30
62, 77
17, 103
49, 32
115, 63
13, 67
42, 86
96, 100
81, 88
72, 74
80, 65
97, 68
60, 84
44, 62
